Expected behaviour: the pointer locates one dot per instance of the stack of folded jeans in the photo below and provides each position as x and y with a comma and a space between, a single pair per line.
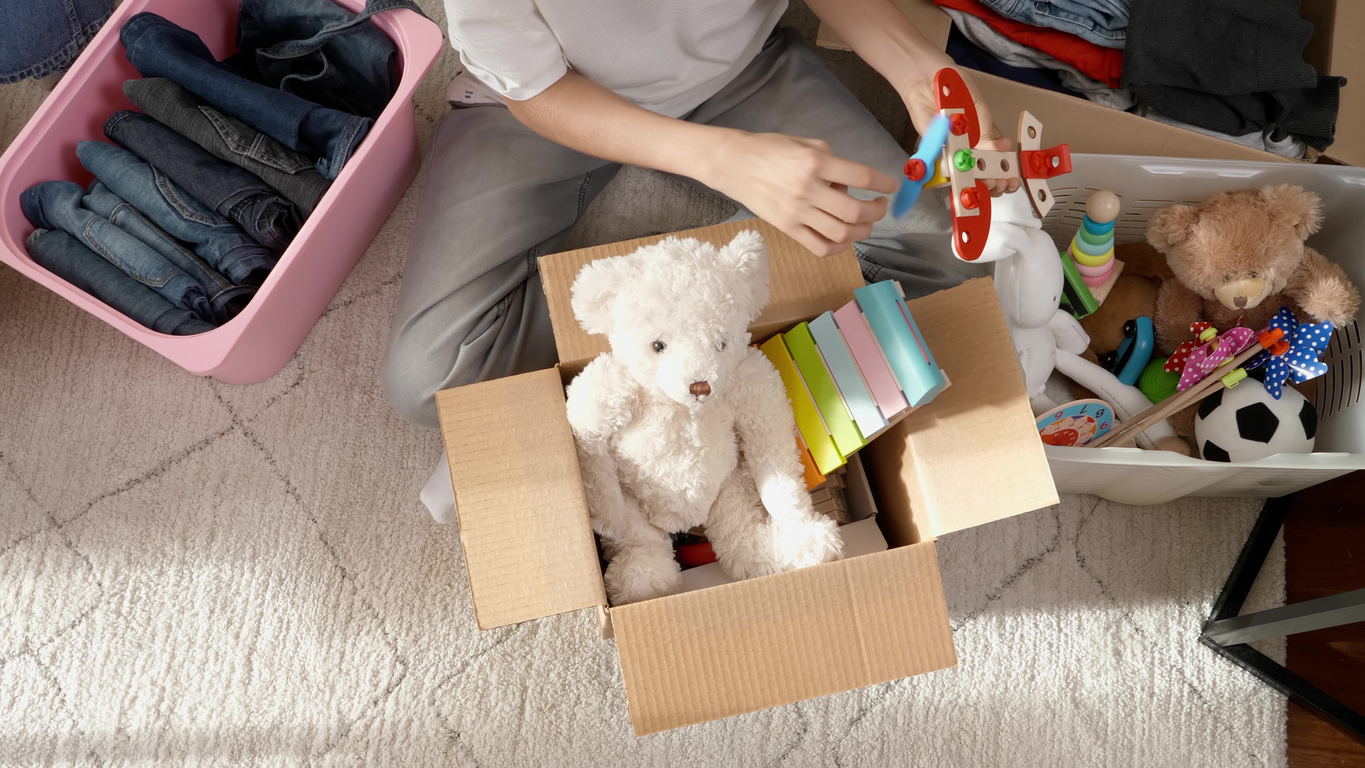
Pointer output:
202, 191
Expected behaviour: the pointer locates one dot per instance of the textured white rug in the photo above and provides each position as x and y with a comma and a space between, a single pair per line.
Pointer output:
198, 573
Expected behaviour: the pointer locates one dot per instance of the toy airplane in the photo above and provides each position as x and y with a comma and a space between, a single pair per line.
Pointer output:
946, 149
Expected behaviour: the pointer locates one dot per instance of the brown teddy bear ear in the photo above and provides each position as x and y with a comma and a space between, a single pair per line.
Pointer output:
1170, 226
1292, 206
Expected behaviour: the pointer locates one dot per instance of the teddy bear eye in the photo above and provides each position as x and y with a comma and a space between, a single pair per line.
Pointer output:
720, 345
659, 346
1254, 273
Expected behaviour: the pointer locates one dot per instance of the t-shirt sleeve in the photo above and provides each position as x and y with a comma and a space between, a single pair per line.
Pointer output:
506, 44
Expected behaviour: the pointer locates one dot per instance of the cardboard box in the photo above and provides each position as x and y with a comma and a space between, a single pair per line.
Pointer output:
1337, 48
970, 457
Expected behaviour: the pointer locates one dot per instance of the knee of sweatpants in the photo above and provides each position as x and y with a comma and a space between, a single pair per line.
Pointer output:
407, 386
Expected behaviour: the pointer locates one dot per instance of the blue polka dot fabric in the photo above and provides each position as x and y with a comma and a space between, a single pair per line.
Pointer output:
1307, 342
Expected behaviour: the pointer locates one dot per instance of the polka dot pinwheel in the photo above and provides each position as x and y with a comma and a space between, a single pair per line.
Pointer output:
1299, 362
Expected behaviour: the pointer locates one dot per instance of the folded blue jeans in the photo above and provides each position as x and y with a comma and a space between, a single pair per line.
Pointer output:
227, 138
159, 48
39, 37
217, 240
269, 217
226, 299
67, 258
320, 51
1102, 22
57, 205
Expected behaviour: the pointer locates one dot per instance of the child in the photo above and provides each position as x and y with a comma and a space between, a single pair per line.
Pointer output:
558, 94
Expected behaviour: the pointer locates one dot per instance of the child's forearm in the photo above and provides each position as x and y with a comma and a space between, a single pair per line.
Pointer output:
582, 115
882, 35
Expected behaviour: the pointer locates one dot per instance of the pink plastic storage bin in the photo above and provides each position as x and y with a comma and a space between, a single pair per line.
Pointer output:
256, 344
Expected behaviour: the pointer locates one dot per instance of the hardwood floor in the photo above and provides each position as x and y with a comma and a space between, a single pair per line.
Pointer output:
1325, 554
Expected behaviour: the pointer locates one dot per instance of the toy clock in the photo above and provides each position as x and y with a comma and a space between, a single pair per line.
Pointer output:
1076, 424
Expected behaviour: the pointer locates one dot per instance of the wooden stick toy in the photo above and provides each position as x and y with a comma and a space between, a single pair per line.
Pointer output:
1270, 339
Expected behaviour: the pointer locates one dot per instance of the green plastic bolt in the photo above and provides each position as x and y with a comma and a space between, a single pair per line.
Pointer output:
963, 160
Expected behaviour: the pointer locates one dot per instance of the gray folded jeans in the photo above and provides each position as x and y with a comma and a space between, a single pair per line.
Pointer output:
290, 173
499, 195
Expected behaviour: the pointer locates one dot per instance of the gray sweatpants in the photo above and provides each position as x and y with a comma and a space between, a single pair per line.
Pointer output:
499, 196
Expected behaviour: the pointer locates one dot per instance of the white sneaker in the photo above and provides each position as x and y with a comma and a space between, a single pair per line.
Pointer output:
439, 495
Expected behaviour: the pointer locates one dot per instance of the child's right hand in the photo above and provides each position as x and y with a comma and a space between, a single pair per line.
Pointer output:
797, 185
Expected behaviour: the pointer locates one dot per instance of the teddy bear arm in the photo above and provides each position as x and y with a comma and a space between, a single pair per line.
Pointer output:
1177, 307
1323, 290
600, 401
766, 431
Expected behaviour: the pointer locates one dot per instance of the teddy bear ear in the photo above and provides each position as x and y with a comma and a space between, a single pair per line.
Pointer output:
747, 255
1293, 206
594, 292
1170, 226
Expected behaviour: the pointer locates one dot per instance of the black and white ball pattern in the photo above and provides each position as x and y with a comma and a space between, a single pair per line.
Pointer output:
1245, 423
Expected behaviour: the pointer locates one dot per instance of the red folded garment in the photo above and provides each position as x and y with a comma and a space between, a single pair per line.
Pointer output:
1095, 62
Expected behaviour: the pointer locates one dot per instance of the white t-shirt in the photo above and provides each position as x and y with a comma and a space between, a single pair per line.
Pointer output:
665, 55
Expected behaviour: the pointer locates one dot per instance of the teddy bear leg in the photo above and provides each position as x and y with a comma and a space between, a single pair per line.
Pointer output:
641, 570
749, 542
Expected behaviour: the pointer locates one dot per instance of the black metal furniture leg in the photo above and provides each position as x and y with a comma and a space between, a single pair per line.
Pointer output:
1227, 633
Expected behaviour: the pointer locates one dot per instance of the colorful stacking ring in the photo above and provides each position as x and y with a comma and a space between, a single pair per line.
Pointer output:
1078, 244
1095, 238
1095, 282
1102, 271
1096, 228
1085, 259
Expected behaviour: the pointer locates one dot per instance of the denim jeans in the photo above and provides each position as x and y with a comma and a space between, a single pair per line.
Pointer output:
317, 50
67, 258
226, 299
159, 48
228, 138
240, 195
39, 37
217, 240
57, 205
1102, 22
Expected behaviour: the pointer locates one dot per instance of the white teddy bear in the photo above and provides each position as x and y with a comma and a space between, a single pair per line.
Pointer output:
683, 423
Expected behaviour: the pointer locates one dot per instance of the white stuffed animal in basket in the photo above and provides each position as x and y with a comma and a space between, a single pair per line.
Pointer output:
1028, 281
683, 423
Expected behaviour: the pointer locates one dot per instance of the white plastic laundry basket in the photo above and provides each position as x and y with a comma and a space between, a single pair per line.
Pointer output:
1148, 184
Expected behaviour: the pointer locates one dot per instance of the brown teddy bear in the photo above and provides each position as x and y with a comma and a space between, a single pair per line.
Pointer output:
1238, 257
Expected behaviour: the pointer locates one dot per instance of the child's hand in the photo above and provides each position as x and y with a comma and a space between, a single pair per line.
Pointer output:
798, 186
919, 101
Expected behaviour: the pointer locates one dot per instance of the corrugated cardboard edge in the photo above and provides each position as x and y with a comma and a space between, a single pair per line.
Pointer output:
972, 456
523, 515
1346, 58
802, 284
755, 644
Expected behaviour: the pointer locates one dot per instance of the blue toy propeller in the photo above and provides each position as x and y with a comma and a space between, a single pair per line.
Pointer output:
1307, 341
930, 145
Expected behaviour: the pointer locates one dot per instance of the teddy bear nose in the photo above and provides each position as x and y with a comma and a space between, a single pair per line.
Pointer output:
700, 388
1240, 301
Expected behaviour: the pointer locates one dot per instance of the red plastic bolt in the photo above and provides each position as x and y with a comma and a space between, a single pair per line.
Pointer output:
969, 198
914, 169
1037, 164
957, 124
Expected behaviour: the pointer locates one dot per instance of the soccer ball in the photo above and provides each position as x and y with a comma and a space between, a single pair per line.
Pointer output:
1245, 423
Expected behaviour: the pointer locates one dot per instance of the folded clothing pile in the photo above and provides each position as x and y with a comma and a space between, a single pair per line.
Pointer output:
203, 189
1232, 69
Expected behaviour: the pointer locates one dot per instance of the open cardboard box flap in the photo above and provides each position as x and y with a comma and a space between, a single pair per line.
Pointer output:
523, 516
970, 457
